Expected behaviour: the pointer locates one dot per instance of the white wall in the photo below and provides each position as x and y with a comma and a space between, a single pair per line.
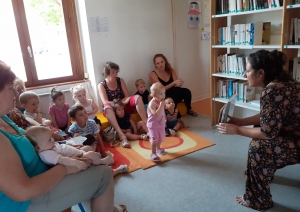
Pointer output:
192, 53
138, 29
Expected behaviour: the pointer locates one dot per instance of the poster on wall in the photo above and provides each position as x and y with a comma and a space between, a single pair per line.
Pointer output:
205, 33
194, 11
98, 24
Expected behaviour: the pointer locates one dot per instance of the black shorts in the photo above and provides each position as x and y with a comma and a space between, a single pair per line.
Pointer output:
97, 120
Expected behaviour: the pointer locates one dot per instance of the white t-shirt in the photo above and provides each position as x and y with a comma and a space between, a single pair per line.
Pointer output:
51, 156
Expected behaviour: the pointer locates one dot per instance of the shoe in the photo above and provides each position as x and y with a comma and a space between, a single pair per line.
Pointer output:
121, 208
161, 151
108, 160
144, 137
125, 143
173, 132
167, 132
122, 169
192, 113
154, 158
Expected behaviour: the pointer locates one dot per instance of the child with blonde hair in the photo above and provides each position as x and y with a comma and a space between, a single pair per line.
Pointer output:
31, 102
128, 126
53, 153
59, 110
142, 91
79, 95
156, 120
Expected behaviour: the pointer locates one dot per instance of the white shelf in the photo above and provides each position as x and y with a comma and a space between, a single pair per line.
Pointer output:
292, 6
291, 46
247, 12
270, 46
231, 76
239, 104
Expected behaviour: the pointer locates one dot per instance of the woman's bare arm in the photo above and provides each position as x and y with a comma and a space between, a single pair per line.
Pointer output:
126, 99
103, 95
15, 183
154, 79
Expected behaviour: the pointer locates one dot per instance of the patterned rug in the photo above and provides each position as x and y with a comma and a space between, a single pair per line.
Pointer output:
138, 156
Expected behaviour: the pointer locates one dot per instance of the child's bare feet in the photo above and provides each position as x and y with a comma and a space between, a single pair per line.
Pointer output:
241, 201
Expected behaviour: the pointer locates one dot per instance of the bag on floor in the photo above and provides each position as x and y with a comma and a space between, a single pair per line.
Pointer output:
110, 134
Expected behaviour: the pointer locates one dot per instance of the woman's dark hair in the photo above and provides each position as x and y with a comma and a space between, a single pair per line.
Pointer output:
109, 65
55, 94
272, 63
168, 67
6, 75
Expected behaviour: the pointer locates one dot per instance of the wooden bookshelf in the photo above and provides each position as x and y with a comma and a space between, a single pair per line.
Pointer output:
281, 16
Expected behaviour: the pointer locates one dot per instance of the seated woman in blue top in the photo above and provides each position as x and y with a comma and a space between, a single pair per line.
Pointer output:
26, 184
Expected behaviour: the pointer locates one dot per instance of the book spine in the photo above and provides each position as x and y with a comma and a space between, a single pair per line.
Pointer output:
291, 31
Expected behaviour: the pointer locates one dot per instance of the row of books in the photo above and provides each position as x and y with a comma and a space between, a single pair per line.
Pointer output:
296, 2
241, 34
234, 6
234, 64
295, 31
294, 68
228, 87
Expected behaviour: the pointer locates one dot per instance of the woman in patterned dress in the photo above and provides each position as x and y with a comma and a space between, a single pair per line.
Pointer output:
276, 141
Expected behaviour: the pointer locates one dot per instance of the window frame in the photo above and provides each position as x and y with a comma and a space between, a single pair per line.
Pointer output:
71, 26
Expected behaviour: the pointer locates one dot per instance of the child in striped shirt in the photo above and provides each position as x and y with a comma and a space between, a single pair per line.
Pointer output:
173, 117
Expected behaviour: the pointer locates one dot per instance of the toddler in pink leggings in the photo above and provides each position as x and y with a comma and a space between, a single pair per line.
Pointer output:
156, 120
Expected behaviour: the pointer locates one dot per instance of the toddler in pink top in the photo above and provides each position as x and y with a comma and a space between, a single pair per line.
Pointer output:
156, 120
59, 110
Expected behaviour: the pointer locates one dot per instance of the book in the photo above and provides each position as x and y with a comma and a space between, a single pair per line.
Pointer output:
266, 33
249, 93
227, 110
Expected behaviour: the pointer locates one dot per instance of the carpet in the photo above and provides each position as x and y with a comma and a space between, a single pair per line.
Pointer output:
176, 146
121, 157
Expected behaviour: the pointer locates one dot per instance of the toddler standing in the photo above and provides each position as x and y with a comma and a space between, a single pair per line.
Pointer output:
156, 120
59, 110
173, 116
79, 94
142, 91
31, 102
128, 126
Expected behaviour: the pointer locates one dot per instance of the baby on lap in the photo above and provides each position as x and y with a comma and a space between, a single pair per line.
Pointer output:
53, 153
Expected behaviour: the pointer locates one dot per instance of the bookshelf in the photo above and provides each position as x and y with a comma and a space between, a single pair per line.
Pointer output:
279, 17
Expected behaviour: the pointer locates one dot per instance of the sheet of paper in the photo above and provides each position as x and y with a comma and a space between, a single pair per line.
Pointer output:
206, 13
98, 24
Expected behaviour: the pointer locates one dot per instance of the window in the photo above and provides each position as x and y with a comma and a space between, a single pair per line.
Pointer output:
41, 41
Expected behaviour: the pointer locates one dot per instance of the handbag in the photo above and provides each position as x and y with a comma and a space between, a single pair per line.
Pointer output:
110, 135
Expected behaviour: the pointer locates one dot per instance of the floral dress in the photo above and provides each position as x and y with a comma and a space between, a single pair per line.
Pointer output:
279, 121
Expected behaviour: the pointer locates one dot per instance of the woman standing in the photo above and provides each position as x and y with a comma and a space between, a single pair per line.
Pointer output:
113, 87
26, 183
276, 143
166, 75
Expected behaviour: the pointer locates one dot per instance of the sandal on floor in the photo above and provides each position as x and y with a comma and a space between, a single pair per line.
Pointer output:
125, 143
121, 208
154, 158
192, 113
161, 151
144, 137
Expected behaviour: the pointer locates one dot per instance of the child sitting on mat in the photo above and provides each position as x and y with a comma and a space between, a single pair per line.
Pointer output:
156, 120
173, 116
128, 126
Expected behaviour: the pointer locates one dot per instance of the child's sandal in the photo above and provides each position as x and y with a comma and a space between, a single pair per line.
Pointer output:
154, 158
125, 143
161, 151
144, 137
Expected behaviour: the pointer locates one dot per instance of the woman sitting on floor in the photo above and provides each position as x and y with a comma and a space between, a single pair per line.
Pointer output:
166, 75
